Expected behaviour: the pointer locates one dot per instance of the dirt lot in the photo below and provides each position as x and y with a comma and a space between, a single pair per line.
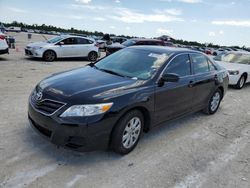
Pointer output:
196, 151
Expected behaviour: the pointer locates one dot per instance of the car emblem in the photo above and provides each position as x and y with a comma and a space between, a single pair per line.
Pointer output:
39, 96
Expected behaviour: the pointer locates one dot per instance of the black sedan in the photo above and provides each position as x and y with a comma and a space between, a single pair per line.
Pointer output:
108, 104
133, 42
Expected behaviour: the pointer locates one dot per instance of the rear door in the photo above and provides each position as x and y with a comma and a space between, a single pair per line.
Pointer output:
83, 47
175, 99
205, 79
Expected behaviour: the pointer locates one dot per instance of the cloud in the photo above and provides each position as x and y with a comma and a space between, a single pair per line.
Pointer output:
190, 1
117, 1
162, 31
17, 10
212, 34
129, 16
242, 23
184, 1
99, 19
83, 1
175, 12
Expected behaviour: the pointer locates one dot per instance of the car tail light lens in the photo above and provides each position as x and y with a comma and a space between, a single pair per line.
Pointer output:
2, 37
97, 45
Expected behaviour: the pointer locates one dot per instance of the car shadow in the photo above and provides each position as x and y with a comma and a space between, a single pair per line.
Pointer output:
64, 156
57, 60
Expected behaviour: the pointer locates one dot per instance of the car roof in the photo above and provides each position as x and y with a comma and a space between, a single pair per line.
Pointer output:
164, 49
143, 39
75, 36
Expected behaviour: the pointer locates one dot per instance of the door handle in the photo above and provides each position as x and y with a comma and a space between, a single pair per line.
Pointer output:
191, 84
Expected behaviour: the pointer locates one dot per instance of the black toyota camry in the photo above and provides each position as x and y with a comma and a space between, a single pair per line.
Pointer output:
108, 104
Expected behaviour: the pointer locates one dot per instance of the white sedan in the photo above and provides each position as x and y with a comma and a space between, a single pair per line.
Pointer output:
62, 47
238, 67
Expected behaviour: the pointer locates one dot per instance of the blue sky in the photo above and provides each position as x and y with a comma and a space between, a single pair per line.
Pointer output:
221, 22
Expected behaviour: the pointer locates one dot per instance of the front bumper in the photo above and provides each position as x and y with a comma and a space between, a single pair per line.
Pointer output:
73, 134
33, 53
4, 51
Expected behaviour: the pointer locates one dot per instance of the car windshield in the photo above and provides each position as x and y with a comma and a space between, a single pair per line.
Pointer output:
236, 58
133, 63
55, 39
128, 43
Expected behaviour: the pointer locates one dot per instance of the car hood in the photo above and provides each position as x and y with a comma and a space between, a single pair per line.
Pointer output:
37, 44
85, 83
232, 66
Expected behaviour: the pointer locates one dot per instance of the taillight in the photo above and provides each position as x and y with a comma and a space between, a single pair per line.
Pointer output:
97, 45
2, 37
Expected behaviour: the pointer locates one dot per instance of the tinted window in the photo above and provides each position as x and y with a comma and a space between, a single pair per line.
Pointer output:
70, 41
83, 41
200, 63
180, 65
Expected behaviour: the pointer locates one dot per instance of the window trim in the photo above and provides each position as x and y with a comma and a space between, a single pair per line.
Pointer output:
183, 53
190, 65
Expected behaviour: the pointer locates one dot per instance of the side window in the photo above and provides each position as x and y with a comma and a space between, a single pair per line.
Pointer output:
211, 66
69, 41
180, 65
200, 63
83, 41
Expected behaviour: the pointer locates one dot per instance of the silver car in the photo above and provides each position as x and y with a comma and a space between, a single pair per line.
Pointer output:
63, 47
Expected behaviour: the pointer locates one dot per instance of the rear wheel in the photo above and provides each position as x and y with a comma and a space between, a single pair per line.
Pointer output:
127, 132
92, 56
214, 102
49, 55
241, 82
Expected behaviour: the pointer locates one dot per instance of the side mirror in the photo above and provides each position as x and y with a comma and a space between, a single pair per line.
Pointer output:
170, 78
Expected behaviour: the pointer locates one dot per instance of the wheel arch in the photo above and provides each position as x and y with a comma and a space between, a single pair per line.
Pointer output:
49, 50
245, 74
146, 116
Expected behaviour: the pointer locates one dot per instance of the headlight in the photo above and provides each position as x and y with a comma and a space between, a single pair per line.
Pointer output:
37, 48
86, 110
234, 72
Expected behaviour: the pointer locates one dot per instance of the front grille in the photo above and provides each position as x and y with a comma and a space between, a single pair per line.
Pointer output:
41, 129
46, 106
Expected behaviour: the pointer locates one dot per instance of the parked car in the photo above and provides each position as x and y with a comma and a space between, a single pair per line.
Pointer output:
64, 46
108, 104
14, 29
133, 42
238, 67
4, 48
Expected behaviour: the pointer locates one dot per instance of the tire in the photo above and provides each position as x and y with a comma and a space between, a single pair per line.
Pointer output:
49, 56
241, 82
213, 103
92, 56
127, 132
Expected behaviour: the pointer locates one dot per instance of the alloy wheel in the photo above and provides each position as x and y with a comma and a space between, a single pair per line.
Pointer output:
131, 132
215, 101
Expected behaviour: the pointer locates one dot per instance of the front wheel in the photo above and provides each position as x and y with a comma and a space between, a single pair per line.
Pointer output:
241, 82
92, 56
214, 102
49, 55
127, 132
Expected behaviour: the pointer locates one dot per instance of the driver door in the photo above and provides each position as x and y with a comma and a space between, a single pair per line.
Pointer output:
173, 99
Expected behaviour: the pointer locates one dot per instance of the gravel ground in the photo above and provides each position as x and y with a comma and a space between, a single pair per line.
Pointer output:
195, 151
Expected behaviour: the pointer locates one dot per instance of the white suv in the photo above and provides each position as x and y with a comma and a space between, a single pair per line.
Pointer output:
4, 48
64, 46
